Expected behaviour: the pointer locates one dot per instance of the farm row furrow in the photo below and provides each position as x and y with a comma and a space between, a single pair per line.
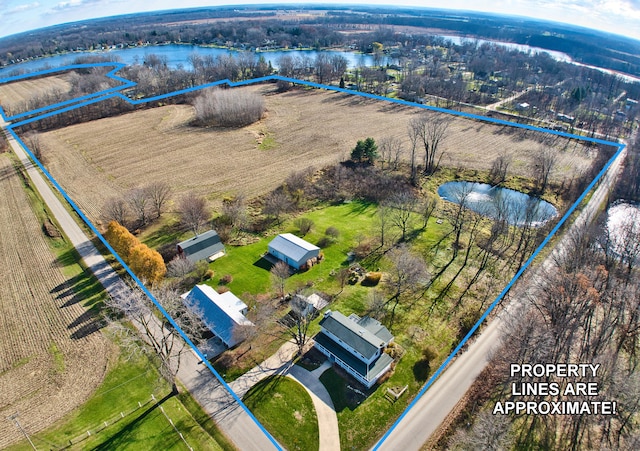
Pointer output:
104, 158
47, 365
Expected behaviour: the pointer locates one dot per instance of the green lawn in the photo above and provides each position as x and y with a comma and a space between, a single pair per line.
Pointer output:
251, 273
286, 410
129, 384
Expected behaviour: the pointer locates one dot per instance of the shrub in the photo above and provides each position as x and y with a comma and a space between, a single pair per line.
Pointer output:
325, 241
226, 279
304, 225
371, 279
332, 232
208, 274
222, 289
228, 107
362, 250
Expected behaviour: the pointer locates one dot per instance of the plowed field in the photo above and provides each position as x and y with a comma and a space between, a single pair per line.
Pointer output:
50, 360
15, 96
103, 158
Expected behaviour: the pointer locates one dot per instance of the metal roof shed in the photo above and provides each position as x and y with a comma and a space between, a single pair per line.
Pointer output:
206, 246
292, 250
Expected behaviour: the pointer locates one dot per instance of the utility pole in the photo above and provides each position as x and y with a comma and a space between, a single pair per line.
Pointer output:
14, 417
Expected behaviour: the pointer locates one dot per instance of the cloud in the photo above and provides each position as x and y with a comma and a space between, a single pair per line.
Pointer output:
22, 8
73, 4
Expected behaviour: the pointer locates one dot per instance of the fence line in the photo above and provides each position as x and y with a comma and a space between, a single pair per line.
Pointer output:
174, 427
110, 422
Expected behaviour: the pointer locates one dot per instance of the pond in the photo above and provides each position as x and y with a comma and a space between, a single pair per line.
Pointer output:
499, 203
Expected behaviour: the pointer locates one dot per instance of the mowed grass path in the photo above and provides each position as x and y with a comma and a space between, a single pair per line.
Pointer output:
286, 410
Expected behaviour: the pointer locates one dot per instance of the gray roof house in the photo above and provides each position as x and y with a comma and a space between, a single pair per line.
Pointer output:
356, 345
206, 246
221, 313
292, 250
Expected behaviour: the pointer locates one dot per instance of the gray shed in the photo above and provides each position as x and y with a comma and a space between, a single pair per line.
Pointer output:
206, 246
292, 250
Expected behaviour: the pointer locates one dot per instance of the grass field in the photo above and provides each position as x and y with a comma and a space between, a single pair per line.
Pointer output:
251, 273
306, 128
123, 415
51, 355
285, 409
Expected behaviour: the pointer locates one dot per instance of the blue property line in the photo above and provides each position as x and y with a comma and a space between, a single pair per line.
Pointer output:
111, 74
501, 295
104, 95
202, 357
108, 93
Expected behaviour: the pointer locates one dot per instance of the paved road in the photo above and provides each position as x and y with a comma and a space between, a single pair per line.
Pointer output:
205, 388
429, 411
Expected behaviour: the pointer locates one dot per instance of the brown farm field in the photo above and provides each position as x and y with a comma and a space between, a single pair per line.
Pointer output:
302, 128
50, 362
14, 96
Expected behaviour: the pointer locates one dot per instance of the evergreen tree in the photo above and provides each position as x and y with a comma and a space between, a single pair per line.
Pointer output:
365, 151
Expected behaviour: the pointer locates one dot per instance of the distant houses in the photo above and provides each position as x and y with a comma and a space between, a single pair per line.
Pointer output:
206, 246
223, 314
294, 251
356, 345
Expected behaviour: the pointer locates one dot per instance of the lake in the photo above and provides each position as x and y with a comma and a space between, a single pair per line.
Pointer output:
515, 207
177, 55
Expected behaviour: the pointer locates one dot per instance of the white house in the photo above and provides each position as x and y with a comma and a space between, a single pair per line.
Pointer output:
221, 313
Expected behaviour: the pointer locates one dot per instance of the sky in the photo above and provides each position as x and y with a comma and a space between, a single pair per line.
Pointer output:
615, 16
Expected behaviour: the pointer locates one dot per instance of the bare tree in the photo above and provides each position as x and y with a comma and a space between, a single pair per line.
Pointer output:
414, 131
193, 212
276, 204
280, 272
383, 221
376, 303
159, 194
390, 149
235, 209
427, 207
179, 267
138, 200
297, 323
429, 131
162, 338
542, 164
116, 209
34, 144
499, 169
304, 225
402, 206
342, 276
409, 272
489, 432
229, 107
